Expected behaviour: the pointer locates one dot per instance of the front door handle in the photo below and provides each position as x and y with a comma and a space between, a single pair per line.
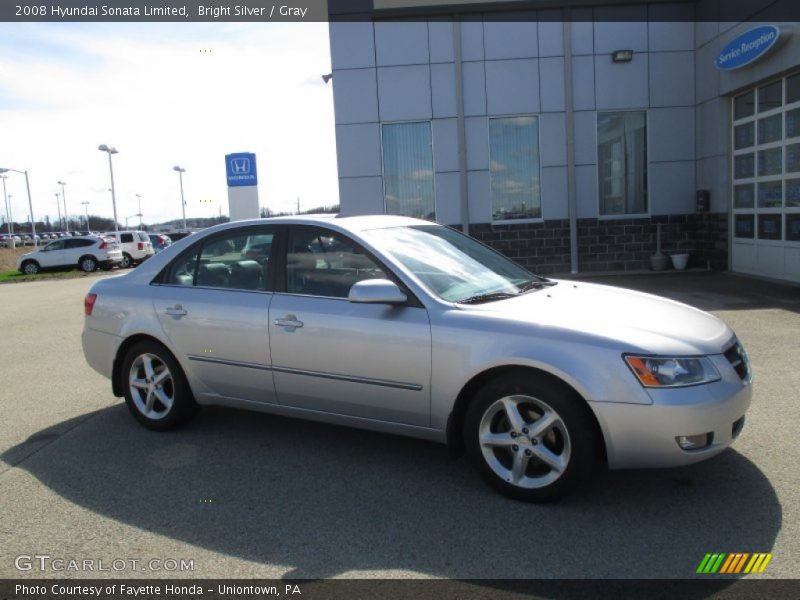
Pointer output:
176, 311
288, 321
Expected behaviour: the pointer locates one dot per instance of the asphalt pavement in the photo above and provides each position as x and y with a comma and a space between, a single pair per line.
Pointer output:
247, 495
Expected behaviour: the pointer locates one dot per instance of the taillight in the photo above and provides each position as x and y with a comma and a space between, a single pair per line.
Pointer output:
88, 304
103, 245
140, 245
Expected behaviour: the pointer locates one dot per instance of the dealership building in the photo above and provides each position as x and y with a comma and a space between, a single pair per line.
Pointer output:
563, 136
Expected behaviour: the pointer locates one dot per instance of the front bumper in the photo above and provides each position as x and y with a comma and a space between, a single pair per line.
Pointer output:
643, 436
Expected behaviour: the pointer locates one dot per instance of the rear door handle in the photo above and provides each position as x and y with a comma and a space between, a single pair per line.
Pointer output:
176, 311
288, 321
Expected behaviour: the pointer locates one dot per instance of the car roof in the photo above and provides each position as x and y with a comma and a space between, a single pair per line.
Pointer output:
350, 223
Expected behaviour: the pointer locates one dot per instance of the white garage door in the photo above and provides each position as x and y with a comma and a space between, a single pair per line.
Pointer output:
765, 220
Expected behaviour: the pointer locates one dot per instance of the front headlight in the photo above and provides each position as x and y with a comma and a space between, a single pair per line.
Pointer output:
656, 372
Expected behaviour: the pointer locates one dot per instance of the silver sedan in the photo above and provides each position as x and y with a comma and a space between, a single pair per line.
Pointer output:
404, 326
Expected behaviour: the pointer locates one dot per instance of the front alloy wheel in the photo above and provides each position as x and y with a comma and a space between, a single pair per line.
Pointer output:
533, 439
524, 441
156, 390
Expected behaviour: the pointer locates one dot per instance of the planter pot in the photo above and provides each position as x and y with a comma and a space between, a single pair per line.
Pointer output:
679, 261
659, 262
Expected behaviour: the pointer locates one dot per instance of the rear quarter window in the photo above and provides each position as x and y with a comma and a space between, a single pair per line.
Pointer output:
126, 238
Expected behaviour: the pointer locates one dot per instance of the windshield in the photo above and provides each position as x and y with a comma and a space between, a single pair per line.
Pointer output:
451, 265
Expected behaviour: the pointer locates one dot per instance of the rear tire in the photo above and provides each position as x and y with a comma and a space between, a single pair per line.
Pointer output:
156, 390
30, 267
530, 438
87, 264
127, 261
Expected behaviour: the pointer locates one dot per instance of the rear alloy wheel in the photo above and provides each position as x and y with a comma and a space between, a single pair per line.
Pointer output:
30, 267
532, 441
127, 261
156, 390
88, 264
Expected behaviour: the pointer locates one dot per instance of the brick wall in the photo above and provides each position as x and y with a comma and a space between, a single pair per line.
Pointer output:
610, 245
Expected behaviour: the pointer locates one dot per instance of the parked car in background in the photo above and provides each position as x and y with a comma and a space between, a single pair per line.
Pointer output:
159, 241
135, 245
4, 240
405, 326
178, 235
85, 253
27, 240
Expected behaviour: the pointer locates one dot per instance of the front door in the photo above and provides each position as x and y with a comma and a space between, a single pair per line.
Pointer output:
363, 360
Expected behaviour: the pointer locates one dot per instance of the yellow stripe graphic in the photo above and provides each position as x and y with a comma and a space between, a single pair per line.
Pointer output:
767, 558
752, 562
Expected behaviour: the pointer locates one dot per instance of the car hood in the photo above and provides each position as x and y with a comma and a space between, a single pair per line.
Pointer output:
628, 320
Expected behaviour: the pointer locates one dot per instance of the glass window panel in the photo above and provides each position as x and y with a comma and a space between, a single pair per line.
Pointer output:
408, 169
514, 168
769, 129
744, 105
770, 194
320, 262
769, 227
770, 96
236, 260
744, 195
744, 166
622, 158
792, 192
744, 226
744, 136
792, 158
770, 162
793, 88
793, 227
182, 270
793, 123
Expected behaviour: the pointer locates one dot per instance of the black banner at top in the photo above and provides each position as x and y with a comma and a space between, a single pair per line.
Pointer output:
398, 10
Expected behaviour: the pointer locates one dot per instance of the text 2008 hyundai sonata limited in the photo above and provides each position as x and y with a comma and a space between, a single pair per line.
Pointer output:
403, 326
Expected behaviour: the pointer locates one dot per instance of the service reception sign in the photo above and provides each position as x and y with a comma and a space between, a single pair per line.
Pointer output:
748, 47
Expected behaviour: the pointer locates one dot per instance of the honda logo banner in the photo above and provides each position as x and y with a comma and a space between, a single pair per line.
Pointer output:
240, 169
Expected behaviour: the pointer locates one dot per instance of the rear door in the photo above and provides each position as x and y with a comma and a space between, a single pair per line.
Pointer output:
213, 305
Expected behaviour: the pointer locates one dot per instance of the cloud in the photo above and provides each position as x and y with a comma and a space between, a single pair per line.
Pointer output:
150, 91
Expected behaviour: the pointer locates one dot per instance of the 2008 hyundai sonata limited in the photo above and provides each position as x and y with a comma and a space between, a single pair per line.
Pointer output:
404, 326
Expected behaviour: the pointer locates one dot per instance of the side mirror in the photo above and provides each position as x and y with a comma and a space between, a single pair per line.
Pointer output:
376, 291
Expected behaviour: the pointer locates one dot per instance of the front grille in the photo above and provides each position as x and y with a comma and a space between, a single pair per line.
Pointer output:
738, 359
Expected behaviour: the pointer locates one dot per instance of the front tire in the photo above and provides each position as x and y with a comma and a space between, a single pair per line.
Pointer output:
30, 267
156, 390
530, 438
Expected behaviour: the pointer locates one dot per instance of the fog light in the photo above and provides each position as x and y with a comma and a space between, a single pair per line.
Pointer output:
694, 442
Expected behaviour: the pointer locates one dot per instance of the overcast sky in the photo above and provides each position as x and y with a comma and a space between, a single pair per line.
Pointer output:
165, 95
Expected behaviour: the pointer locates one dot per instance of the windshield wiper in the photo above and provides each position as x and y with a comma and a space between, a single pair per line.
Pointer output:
536, 285
486, 298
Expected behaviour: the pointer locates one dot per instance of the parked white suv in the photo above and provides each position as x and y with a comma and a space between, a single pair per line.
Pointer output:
86, 253
135, 245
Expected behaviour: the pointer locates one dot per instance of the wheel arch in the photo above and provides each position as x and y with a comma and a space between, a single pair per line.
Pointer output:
116, 370
455, 421
83, 256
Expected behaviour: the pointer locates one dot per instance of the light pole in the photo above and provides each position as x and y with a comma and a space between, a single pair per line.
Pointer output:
30, 203
86, 212
8, 206
64, 200
111, 150
58, 206
181, 171
9, 212
139, 214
